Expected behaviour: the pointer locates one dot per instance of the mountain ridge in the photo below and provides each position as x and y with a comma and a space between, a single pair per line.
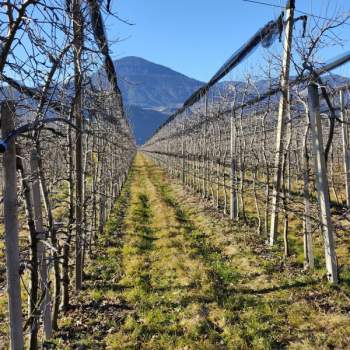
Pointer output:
150, 85
151, 92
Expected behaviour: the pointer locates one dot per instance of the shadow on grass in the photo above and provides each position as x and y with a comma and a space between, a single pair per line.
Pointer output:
100, 306
296, 284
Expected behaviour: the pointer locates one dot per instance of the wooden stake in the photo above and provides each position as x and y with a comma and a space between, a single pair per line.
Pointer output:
11, 230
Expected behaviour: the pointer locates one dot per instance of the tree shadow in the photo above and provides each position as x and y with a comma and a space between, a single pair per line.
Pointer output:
296, 284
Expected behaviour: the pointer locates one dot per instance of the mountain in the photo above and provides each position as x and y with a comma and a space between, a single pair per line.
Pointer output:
149, 85
151, 92
144, 121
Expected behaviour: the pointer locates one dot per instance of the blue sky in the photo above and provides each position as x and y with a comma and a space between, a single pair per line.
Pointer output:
196, 36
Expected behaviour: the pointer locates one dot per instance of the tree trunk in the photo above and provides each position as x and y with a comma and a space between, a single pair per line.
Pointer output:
67, 242
52, 231
233, 170
33, 312
281, 120
308, 248
346, 148
44, 283
78, 43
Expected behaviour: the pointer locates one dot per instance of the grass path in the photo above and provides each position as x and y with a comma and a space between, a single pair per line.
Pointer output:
171, 274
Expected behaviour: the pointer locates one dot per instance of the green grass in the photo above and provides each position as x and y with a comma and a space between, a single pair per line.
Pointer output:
168, 273
262, 286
